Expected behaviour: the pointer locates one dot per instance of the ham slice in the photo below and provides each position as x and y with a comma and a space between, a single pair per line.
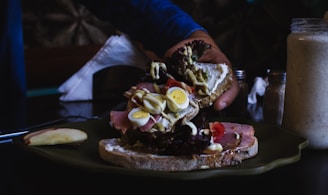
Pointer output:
244, 130
119, 120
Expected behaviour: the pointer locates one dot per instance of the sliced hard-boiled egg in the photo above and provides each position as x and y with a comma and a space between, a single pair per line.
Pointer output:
154, 103
177, 99
138, 116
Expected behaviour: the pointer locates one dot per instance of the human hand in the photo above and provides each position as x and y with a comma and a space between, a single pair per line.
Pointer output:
212, 55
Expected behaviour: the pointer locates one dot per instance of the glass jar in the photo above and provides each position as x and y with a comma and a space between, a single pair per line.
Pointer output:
274, 97
306, 105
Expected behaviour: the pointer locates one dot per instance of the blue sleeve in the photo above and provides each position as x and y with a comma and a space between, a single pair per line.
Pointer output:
12, 65
158, 24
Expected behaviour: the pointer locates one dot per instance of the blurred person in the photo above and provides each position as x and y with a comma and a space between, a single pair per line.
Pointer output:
160, 27
12, 66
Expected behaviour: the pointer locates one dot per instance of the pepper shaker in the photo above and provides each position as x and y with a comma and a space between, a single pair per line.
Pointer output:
238, 108
274, 97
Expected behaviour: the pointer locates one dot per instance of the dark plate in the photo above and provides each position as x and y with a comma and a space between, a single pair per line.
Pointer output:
277, 148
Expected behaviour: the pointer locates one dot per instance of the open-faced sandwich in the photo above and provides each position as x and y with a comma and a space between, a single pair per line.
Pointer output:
162, 126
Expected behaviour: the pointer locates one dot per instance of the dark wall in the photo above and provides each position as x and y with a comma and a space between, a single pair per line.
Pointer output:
252, 33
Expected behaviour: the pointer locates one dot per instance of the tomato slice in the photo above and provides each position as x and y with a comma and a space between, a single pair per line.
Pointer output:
217, 130
175, 83
172, 83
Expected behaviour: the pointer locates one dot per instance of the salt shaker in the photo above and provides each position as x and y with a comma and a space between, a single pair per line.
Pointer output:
274, 97
306, 105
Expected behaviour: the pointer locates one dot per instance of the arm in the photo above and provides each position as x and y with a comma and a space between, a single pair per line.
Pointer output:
161, 27
157, 24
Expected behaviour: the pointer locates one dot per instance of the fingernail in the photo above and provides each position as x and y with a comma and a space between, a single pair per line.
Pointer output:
222, 105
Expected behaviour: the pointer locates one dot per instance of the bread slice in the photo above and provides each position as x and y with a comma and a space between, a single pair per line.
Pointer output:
209, 79
219, 80
112, 150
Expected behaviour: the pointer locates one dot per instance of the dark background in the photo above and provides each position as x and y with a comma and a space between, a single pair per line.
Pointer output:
61, 36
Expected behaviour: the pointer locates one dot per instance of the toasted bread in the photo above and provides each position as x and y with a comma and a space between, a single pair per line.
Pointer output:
112, 150
219, 80
210, 80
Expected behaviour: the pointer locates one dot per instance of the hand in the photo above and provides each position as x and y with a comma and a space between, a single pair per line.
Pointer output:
213, 55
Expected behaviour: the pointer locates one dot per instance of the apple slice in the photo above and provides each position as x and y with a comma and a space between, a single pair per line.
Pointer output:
53, 136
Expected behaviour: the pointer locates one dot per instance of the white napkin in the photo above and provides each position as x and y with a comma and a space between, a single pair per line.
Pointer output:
258, 89
117, 50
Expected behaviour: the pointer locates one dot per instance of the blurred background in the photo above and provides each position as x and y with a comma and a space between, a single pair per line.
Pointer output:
60, 36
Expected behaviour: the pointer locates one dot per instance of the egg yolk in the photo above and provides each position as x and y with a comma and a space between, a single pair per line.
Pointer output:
154, 103
140, 114
177, 99
178, 96
138, 117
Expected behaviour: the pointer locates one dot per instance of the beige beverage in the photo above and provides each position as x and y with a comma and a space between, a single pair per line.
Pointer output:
306, 96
